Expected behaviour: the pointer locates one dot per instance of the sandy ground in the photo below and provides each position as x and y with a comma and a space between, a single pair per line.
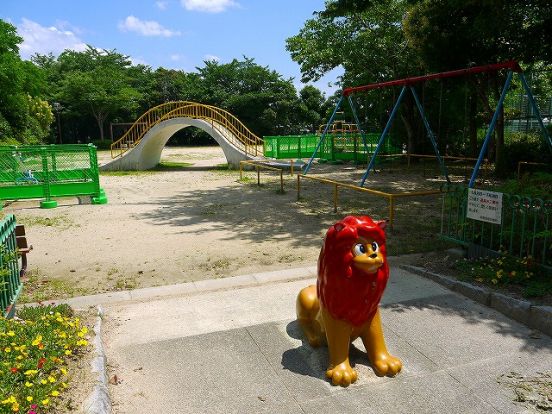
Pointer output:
194, 223
167, 227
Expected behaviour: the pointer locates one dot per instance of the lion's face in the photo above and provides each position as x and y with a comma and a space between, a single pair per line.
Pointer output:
353, 269
367, 255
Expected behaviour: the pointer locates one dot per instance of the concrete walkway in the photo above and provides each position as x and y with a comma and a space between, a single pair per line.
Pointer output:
225, 349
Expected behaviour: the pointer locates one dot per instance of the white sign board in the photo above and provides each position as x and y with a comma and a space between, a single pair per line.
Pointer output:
484, 206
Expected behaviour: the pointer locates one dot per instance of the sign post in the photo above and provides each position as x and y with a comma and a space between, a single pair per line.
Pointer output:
484, 206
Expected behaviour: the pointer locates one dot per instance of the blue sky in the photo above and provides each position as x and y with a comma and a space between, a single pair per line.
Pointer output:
177, 34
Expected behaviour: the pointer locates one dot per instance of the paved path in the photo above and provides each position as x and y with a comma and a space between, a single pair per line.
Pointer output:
193, 349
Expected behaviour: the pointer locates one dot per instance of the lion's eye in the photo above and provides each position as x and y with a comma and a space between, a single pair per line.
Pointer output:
375, 247
359, 249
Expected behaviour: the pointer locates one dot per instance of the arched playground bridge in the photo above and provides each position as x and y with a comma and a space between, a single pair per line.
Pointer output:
141, 146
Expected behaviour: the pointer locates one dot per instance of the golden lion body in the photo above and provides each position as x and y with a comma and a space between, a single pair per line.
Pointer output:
352, 275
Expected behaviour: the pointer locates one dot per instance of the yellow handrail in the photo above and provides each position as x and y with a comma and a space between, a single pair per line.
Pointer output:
223, 121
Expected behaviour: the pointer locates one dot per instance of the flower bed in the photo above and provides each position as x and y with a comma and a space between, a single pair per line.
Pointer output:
34, 351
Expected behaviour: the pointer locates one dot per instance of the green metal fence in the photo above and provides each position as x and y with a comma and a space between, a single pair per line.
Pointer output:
10, 283
335, 147
50, 171
290, 146
525, 230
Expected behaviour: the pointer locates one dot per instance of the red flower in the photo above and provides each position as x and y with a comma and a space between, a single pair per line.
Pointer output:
41, 362
14, 370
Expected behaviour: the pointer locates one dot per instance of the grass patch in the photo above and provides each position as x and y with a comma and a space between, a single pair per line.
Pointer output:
37, 288
172, 166
62, 221
35, 352
507, 271
537, 185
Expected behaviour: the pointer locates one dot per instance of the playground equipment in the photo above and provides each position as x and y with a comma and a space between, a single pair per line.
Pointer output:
408, 84
50, 171
141, 146
344, 304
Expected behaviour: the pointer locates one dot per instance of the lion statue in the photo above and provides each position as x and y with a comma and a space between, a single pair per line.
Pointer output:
352, 275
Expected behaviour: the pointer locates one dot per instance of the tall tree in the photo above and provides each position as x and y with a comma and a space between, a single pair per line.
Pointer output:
261, 98
24, 116
367, 40
95, 82
314, 107
453, 34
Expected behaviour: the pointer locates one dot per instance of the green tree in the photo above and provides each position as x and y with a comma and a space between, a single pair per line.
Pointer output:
93, 82
24, 116
453, 34
367, 40
314, 107
258, 96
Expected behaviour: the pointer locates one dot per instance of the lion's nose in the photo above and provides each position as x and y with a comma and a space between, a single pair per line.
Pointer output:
373, 256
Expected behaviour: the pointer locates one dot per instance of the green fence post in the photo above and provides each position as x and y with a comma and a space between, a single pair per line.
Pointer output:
47, 202
100, 197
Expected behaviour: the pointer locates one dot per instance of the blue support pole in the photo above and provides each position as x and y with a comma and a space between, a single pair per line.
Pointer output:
353, 109
490, 130
536, 109
307, 168
383, 135
430, 134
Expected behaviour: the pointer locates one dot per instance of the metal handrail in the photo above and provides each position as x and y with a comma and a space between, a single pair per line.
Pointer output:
221, 120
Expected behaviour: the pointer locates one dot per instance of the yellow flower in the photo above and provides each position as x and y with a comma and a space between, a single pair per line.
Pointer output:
15, 407
46, 401
63, 371
11, 333
29, 398
7, 349
54, 393
64, 385
43, 382
37, 340
10, 400
68, 352
494, 281
51, 379
28, 384
30, 372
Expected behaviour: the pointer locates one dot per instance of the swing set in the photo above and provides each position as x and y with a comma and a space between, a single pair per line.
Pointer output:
408, 84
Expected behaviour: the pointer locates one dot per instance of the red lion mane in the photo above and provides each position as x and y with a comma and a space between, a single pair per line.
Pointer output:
347, 292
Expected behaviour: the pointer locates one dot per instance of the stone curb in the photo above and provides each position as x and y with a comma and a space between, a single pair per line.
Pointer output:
190, 288
98, 401
537, 317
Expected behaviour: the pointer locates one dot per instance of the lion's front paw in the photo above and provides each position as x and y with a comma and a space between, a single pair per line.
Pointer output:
342, 374
385, 364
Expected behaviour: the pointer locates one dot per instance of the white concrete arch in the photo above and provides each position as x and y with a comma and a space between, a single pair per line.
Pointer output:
147, 153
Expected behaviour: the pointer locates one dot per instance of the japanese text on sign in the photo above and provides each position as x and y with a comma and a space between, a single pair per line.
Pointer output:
484, 206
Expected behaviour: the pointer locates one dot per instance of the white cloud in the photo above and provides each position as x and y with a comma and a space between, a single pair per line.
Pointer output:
162, 5
209, 6
44, 40
145, 27
137, 61
210, 58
